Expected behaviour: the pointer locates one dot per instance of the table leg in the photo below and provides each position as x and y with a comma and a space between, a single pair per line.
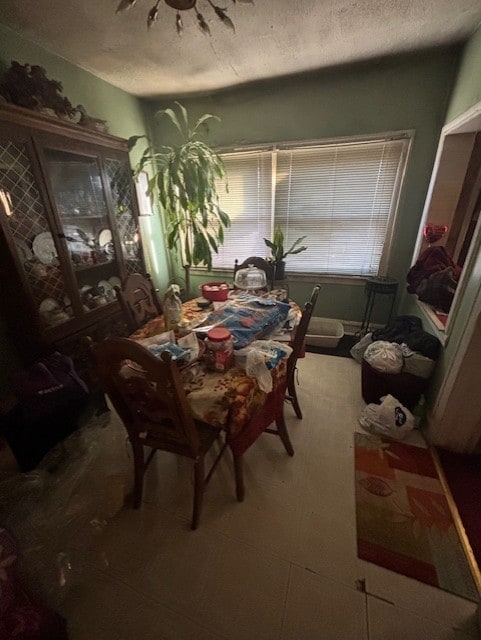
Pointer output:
284, 434
239, 477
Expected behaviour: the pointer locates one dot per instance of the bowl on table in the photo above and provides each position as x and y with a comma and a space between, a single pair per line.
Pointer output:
203, 303
215, 291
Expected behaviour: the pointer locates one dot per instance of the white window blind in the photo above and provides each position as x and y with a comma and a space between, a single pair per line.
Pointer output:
342, 197
249, 205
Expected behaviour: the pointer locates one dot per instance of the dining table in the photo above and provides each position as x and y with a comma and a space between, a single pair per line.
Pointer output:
232, 400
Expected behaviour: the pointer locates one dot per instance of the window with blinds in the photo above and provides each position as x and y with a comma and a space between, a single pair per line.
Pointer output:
248, 202
342, 197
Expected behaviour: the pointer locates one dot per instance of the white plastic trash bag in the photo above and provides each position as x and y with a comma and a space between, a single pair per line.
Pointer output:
384, 356
260, 357
358, 350
390, 418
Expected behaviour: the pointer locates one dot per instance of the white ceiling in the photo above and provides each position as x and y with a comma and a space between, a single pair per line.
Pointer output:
273, 37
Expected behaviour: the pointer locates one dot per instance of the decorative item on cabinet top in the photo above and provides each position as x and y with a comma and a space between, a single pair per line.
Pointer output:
28, 86
89, 122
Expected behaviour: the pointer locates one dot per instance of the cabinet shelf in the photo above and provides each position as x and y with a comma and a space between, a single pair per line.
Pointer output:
89, 217
90, 267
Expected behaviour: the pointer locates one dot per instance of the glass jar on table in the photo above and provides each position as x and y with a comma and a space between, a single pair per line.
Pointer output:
219, 349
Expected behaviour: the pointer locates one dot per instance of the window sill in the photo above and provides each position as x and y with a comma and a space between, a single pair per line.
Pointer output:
292, 277
325, 279
436, 325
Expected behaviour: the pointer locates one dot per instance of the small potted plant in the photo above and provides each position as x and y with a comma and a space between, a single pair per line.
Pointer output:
276, 245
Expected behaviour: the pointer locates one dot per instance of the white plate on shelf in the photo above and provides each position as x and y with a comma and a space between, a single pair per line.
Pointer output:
108, 290
115, 281
44, 247
105, 237
48, 305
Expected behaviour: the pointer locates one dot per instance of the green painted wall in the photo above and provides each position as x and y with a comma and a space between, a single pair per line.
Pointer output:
408, 92
125, 117
467, 90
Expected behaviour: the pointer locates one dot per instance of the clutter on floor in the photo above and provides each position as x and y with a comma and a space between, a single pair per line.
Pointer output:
398, 359
389, 419
48, 403
22, 616
56, 510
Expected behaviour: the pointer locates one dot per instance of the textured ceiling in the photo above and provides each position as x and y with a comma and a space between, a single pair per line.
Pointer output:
272, 38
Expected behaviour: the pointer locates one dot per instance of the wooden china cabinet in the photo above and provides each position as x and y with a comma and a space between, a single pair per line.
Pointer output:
68, 232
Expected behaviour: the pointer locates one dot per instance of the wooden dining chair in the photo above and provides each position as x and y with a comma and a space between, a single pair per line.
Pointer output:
267, 418
149, 397
298, 346
260, 263
138, 300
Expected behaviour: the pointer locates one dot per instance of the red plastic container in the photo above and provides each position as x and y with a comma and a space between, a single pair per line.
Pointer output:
215, 291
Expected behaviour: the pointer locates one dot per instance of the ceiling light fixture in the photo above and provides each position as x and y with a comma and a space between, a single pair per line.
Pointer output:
184, 5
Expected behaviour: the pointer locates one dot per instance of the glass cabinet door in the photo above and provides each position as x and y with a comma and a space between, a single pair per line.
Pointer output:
34, 244
80, 199
119, 176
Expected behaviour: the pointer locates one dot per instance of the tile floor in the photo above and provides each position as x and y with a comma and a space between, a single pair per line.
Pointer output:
280, 566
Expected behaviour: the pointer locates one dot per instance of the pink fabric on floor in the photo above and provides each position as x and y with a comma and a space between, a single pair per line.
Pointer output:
23, 617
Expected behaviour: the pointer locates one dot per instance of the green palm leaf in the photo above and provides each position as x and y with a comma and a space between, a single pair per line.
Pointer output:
184, 178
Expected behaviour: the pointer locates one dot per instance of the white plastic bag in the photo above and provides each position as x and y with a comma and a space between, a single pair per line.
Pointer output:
390, 418
358, 350
384, 356
261, 356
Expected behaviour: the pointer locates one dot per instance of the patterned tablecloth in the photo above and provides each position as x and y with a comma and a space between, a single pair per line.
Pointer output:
225, 400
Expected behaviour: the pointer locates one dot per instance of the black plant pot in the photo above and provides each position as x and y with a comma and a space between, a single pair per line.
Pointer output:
280, 270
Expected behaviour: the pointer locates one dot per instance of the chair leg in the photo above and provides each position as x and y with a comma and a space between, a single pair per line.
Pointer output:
139, 470
284, 434
291, 388
198, 490
239, 478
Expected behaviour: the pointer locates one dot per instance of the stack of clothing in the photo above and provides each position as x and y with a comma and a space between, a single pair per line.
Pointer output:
434, 278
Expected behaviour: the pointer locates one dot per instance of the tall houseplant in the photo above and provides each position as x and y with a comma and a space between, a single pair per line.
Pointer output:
276, 245
184, 178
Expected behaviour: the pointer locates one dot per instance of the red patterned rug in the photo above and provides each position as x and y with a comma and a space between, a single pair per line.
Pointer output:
404, 522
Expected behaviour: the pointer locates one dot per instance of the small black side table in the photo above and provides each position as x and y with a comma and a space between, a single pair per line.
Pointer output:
377, 286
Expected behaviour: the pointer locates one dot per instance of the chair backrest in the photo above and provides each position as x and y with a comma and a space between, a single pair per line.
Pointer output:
148, 395
138, 299
260, 263
298, 343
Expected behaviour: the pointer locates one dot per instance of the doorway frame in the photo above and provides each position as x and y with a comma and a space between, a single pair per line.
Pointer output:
467, 122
